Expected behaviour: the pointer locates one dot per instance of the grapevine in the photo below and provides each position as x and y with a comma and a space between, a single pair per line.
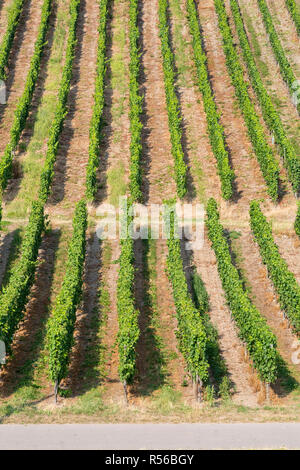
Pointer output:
135, 104
7, 41
14, 295
95, 126
61, 107
270, 114
191, 329
297, 221
172, 100
253, 329
294, 12
284, 281
284, 65
62, 322
23, 106
129, 332
263, 151
215, 129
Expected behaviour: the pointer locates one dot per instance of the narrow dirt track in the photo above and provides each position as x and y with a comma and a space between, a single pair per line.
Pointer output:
19, 64
69, 180
230, 345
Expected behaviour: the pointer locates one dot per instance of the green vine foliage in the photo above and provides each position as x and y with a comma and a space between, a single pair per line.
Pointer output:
136, 104
284, 65
129, 332
61, 107
14, 295
263, 151
270, 114
284, 281
95, 126
24, 103
7, 41
62, 322
200, 293
191, 332
297, 221
295, 13
173, 107
253, 329
215, 128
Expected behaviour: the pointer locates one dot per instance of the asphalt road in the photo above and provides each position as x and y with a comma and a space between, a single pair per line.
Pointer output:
150, 436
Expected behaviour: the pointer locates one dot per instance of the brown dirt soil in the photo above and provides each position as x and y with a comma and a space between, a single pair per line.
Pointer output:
189, 97
289, 245
255, 186
230, 344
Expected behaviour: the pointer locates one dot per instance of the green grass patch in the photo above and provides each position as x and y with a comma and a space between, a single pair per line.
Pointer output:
168, 401
256, 48
116, 183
